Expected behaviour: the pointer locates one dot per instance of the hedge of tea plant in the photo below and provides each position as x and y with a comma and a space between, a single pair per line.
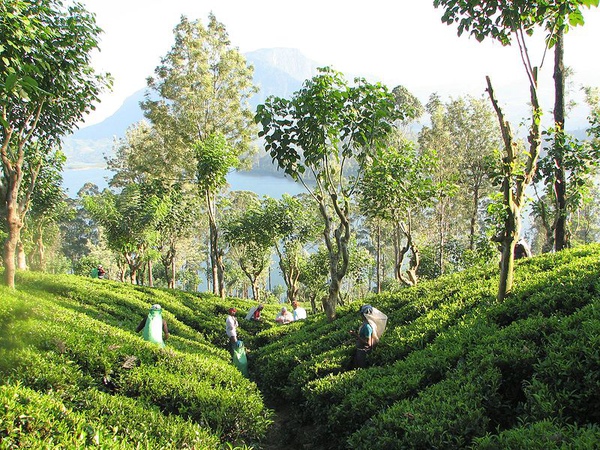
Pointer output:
69, 346
455, 368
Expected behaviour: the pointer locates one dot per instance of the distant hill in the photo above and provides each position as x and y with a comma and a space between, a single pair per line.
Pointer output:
277, 71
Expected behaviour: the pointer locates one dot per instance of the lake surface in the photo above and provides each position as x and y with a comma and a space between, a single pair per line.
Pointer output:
272, 186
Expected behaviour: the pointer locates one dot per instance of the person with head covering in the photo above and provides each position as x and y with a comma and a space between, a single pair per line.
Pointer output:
364, 339
299, 311
231, 325
101, 271
154, 326
284, 316
522, 249
254, 313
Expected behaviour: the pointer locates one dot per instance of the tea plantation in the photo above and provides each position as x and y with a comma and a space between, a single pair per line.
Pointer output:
454, 369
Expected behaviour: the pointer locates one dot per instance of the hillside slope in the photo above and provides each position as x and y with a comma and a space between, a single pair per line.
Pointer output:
454, 369
75, 374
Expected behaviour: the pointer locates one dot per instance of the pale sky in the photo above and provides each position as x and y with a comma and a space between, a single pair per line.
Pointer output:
398, 42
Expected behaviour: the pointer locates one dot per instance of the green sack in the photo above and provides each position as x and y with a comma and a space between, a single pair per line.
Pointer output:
239, 357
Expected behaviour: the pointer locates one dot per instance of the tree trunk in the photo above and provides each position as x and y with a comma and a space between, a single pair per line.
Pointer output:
221, 274
150, 276
337, 247
474, 214
290, 275
398, 255
513, 184
441, 234
331, 300
172, 277
378, 256
21, 257
10, 246
560, 235
255, 290
40, 248
216, 255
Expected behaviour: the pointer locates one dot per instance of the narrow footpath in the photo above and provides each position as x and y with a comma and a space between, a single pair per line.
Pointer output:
287, 433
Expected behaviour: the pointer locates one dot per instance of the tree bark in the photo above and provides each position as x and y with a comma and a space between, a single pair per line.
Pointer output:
514, 184
14, 224
474, 214
336, 242
21, 257
560, 235
150, 276
378, 255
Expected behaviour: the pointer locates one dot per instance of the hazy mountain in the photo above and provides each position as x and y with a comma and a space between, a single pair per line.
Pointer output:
277, 71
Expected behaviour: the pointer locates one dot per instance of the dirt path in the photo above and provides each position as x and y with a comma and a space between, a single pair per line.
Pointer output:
286, 433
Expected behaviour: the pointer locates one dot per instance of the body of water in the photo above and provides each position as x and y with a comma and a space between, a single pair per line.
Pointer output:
272, 186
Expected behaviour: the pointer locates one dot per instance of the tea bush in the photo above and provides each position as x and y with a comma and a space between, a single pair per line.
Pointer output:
71, 342
455, 368
34, 420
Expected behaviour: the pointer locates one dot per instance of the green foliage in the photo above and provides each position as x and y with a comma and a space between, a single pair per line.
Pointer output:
68, 345
455, 367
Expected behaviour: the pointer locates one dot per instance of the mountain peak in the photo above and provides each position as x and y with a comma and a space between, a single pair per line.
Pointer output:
287, 60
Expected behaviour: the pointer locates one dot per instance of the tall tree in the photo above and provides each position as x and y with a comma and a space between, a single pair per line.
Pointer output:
201, 90
503, 20
252, 237
475, 138
329, 131
47, 84
397, 184
446, 176
215, 157
140, 158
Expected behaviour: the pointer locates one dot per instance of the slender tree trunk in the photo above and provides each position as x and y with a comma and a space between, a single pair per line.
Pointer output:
513, 184
378, 262
21, 257
441, 234
40, 248
474, 214
14, 224
221, 274
172, 277
337, 247
216, 255
560, 235
150, 276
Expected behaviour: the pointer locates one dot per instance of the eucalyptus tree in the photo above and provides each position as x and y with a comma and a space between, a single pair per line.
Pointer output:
47, 84
475, 140
201, 90
397, 184
446, 176
328, 133
140, 158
